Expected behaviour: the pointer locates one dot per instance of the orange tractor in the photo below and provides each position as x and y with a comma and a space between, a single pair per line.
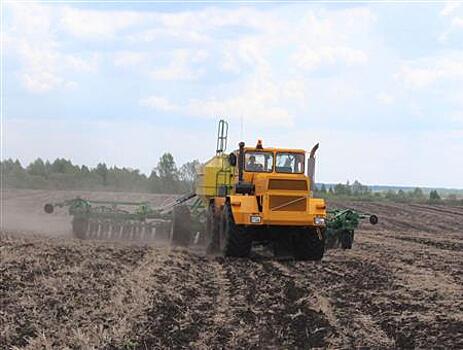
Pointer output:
260, 195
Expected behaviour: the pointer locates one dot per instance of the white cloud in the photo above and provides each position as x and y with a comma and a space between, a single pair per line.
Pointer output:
453, 17
317, 37
97, 25
449, 8
158, 103
76, 63
424, 72
258, 100
457, 22
309, 41
249, 51
294, 89
385, 98
129, 58
40, 81
32, 38
43, 66
260, 92
310, 58
180, 66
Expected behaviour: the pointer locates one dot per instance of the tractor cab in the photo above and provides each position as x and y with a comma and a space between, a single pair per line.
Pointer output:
261, 169
274, 160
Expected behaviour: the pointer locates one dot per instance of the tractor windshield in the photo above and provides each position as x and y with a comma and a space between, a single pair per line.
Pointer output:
259, 161
290, 163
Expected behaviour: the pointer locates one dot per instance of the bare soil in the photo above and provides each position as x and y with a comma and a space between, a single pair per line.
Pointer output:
401, 286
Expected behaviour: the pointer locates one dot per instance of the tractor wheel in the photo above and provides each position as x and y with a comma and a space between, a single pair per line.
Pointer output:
212, 231
347, 239
308, 245
79, 227
235, 241
181, 226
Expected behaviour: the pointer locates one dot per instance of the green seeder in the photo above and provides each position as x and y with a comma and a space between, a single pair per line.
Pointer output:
182, 221
341, 225
138, 221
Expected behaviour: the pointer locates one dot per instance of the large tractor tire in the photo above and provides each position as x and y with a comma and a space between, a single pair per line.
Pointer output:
212, 231
347, 239
79, 227
308, 245
181, 226
235, 241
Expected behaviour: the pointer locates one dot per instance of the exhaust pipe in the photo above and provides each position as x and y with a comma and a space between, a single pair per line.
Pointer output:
311, 166
240, 162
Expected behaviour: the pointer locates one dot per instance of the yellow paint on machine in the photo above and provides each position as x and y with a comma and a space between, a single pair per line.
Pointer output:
279, 199
214, 173
243, 207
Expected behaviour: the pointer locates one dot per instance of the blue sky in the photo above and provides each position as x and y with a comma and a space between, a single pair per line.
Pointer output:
380, 86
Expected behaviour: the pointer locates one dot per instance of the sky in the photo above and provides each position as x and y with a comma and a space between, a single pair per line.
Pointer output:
379, 86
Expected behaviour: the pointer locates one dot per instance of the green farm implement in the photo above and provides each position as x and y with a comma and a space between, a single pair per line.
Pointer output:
341, 225
138, 221
181, 222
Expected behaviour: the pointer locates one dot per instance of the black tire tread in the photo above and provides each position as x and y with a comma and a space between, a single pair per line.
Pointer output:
238, 242
308, 246
80, 227
212, 231
181, 226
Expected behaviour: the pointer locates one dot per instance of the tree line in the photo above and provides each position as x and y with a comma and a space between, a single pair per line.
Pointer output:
167, 177
62, 174
356, 190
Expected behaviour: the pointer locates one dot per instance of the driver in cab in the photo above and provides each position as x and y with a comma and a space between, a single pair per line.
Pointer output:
252, 165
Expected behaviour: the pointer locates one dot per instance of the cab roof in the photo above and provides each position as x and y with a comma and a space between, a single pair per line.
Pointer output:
272, 149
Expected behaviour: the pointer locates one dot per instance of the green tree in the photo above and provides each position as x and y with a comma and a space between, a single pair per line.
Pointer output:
37, 168
418, 194
358, 189
63, 166
401, 196
154, 182
168, 174
390, 194
323, 189
102, 170
188, 174
434, 196
342, 190
167, 167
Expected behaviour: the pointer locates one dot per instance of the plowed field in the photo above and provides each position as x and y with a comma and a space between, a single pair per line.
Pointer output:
401, 286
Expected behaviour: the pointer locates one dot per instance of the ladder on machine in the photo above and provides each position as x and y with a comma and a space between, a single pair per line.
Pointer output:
222, 136
225, 173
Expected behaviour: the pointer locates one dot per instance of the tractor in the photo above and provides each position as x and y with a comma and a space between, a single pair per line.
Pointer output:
261, 195
255, 196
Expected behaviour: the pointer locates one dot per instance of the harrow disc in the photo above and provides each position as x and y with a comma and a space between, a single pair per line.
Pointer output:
129, 230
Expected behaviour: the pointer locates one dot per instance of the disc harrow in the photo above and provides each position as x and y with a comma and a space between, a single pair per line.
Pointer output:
341, 225
130, 221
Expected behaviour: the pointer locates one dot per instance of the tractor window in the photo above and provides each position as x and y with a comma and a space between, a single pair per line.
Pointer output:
258, 161
290, 163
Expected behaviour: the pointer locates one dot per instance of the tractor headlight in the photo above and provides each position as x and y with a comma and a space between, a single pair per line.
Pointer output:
255, 219
319, 221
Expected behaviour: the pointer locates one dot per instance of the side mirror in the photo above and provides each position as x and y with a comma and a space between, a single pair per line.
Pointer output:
373, 219
232, 159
